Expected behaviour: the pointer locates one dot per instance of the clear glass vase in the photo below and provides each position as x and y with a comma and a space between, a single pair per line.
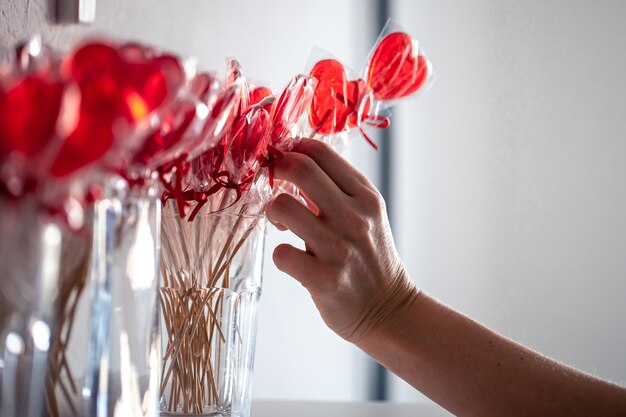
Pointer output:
45, 273
209, 296
124, 339
78, 309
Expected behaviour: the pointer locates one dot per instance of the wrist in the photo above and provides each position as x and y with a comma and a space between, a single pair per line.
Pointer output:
388, 313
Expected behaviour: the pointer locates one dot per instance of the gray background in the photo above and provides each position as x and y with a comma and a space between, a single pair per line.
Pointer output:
512, 172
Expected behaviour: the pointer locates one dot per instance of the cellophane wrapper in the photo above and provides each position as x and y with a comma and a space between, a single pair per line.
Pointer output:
347, 104
211, 286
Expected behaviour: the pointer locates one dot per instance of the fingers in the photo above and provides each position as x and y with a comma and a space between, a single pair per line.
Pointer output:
308, 176
291, 214
299, 264
340, 171
288, 188
278, 225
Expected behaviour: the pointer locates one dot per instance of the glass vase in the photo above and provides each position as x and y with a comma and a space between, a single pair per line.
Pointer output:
124, 340
211, 285
45, 273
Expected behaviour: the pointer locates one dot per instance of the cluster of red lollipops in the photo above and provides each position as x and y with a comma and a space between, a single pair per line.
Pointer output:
126, 109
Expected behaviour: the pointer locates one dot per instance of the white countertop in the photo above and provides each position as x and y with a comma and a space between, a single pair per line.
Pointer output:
344, 409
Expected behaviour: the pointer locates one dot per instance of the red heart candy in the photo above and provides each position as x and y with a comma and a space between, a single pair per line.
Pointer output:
157, 81
249, 139
258, 94
93, 62
116, 85
28, 115
335, 97
141, 80
150, 83
97, 69
173, 126
91, 139
396, 69
291, 105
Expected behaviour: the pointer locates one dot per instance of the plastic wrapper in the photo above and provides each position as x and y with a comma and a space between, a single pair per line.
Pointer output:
396, 68
195, 122
288, 120
218, 178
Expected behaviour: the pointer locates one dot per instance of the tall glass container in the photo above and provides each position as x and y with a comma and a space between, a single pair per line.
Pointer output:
125, 348
209, 297
45, 272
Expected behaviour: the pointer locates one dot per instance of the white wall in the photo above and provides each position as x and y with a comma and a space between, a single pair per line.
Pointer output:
511, 172
297, 357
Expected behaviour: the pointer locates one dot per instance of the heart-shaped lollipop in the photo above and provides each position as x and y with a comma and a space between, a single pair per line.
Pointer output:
113, 86
28, 115
234, 77
288, 110
221, 116
258, 94
92, 137
96, 102
150, 79
171, 139
249, 139
396, 69
172, 128
335, 98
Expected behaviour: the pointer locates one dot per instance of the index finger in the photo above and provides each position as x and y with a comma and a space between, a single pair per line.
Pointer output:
349, 179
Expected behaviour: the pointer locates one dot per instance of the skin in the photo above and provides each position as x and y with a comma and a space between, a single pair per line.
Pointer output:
364, 294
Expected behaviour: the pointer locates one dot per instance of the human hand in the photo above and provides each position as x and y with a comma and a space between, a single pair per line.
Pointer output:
350, 265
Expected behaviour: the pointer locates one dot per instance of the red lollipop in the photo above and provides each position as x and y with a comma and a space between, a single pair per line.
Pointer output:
202, 84
288, 110
91, 138
149, 79
171, 139
172, 128
97, 70
395, 71
221, 115
335, 97
28, 114
258, 94
113, 86
248, 141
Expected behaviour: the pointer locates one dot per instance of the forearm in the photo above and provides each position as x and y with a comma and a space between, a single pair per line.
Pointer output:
473, 371
360, 288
